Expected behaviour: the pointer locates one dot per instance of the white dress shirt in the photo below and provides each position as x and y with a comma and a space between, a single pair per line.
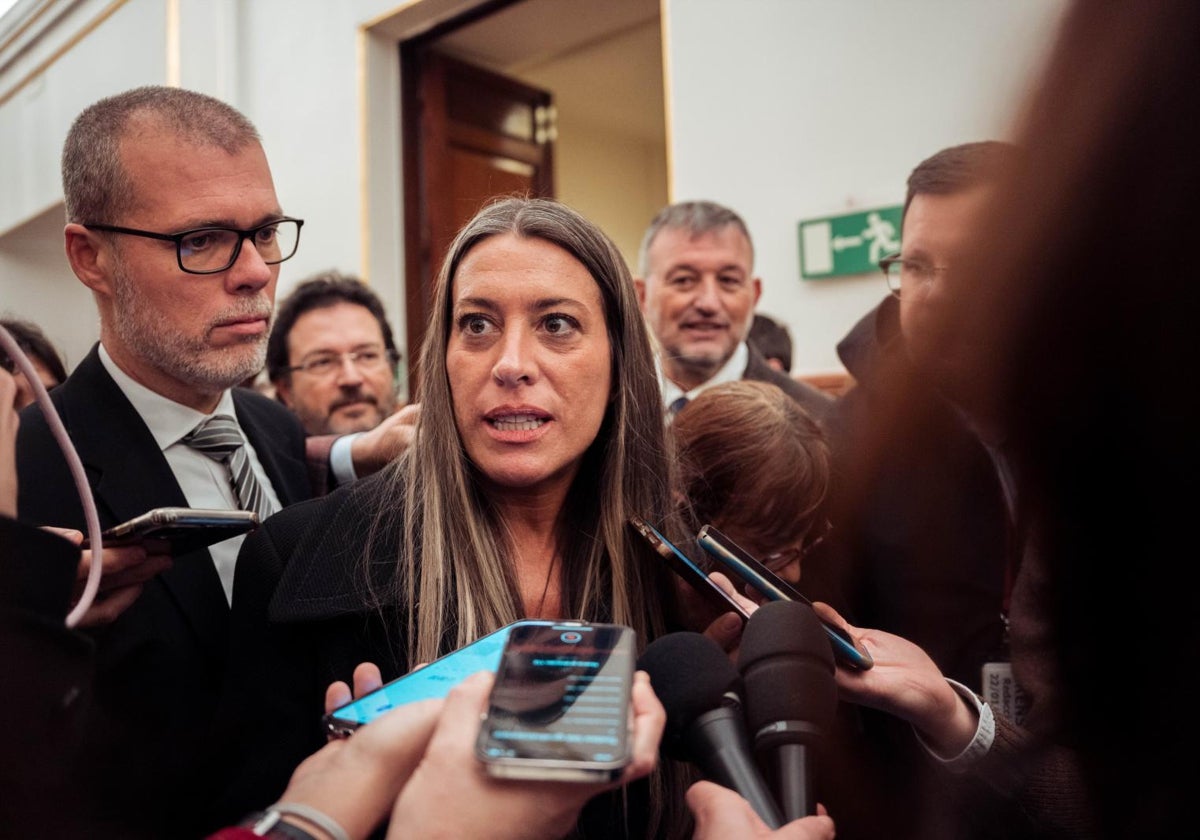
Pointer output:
733, 370
204, 482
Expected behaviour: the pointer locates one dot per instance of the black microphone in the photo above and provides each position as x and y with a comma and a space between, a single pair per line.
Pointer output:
698, 687
791, 696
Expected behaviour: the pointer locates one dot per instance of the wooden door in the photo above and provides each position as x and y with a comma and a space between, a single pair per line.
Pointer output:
469, 135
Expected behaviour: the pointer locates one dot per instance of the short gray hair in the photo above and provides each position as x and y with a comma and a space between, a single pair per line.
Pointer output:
697, 218
96, 187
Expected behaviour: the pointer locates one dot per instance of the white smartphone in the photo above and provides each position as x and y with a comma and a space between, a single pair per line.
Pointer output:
560, 706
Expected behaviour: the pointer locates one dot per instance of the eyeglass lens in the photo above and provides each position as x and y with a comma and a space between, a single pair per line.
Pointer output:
894, 271
214, 249
366, 359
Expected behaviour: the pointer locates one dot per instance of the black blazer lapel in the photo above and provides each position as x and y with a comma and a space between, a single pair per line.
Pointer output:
129, 476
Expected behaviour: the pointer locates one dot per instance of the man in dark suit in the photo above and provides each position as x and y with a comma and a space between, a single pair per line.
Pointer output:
174, 225
931, 553
698, 292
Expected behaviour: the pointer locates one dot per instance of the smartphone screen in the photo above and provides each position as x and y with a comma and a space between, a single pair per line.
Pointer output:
560, 706
431, 682
716, 597
739, 563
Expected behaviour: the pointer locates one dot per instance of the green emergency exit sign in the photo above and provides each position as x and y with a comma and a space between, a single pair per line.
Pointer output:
851, 244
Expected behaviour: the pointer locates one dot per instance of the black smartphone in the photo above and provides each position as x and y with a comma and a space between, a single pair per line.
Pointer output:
560, 707
430, 682
697, 578
739, 563
181, 530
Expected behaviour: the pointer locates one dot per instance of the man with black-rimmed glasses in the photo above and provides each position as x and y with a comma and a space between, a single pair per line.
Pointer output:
929, 556
174, 225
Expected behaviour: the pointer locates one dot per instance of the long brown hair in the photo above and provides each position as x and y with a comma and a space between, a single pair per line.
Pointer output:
455, 572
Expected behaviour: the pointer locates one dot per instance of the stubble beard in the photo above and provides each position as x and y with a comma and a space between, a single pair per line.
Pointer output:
187, 358
697, 366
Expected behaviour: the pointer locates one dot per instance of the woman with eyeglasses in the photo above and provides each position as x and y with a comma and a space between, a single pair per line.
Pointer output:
756, 466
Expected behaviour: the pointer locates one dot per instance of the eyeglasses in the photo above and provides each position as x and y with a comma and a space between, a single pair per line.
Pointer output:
898, 270
211, 250
326, 364
796, 553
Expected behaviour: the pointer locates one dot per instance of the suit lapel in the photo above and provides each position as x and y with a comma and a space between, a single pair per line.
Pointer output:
129, 476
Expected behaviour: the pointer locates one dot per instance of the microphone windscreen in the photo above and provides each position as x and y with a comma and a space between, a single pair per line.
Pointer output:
786, 663
691, 675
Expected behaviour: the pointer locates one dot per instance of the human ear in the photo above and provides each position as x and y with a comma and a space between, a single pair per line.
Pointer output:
89, 256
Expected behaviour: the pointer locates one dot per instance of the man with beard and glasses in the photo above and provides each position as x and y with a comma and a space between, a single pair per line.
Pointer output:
174, 225
332, 360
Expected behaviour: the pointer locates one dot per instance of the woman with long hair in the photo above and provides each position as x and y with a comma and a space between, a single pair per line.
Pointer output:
541, 433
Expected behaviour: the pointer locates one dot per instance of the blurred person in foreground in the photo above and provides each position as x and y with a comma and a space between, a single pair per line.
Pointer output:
1054, 341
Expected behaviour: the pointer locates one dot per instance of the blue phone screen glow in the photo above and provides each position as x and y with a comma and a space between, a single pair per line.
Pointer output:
432, 682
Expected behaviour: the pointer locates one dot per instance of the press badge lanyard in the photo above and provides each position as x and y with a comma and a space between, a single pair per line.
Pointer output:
999, 687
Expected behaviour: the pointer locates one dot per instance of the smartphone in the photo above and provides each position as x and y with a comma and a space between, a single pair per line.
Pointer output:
739, 563
560, 706
697, 578
179, 529
433, 681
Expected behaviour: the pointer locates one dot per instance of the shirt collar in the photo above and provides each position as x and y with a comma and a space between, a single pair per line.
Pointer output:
167, 420
733, 370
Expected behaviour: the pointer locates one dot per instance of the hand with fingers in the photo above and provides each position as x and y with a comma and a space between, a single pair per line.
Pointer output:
451, 796
721, 813
125, 571
726, 629
9, 421
355, 781
375, 449
906, 683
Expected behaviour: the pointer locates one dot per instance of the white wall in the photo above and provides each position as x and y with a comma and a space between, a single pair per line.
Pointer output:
38, 286
783, 109
793, 109
36, 282
617, 180
291, 67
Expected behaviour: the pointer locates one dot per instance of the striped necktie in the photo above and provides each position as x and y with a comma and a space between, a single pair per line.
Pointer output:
219, 438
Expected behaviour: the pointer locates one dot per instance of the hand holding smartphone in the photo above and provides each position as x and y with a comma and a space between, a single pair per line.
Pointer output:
432, 681
180, 530
739, 563
560, 706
